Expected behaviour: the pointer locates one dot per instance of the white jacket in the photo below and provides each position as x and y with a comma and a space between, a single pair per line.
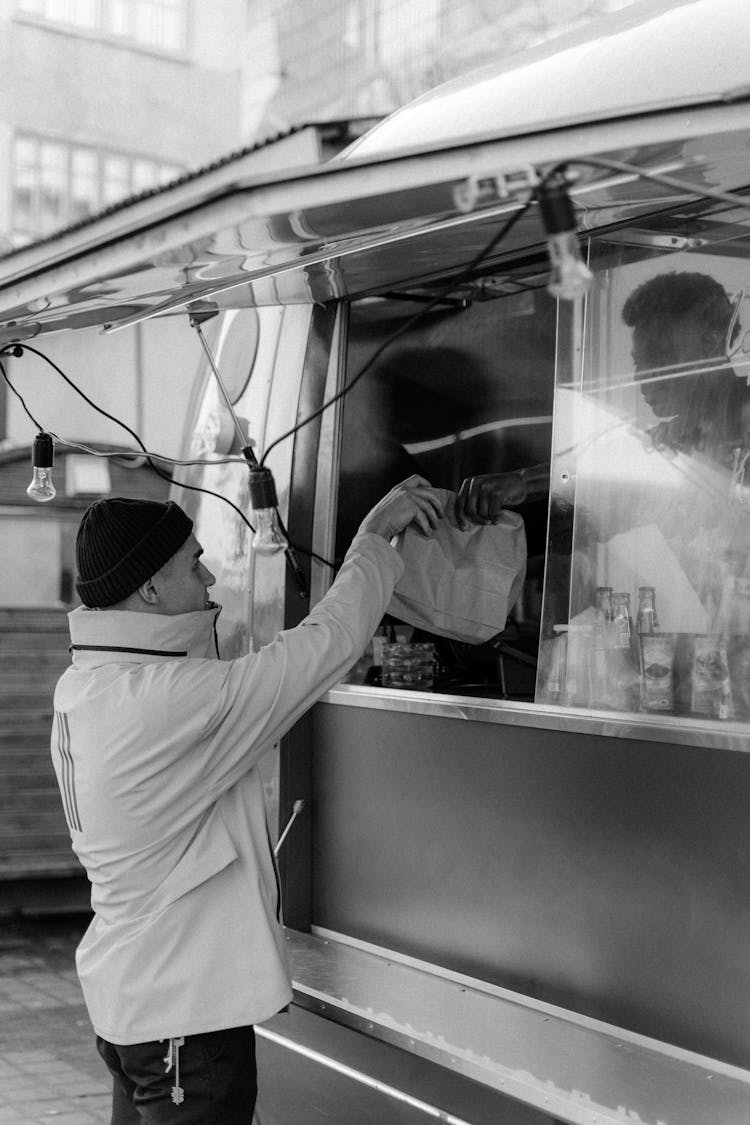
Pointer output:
155, 744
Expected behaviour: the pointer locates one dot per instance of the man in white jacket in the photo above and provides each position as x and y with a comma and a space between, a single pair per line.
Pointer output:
155, 744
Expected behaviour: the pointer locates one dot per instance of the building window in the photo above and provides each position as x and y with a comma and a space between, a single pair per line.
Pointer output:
152, 23
55, 184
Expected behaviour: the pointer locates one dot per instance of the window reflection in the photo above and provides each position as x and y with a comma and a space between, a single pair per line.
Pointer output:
650, 500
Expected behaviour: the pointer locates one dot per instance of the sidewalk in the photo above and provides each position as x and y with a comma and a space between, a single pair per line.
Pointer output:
50, 1072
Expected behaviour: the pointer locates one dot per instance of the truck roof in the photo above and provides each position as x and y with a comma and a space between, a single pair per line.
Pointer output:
650, 56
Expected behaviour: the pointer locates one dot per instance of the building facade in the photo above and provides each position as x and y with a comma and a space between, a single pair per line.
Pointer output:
101, 99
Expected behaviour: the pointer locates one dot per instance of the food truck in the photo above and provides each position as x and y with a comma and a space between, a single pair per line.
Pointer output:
516, 885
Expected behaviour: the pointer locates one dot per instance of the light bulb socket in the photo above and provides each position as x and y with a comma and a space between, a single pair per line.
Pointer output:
43, 451
262, 489
248, 453
557, 210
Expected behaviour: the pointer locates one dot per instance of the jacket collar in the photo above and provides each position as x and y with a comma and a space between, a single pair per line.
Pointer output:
106, 636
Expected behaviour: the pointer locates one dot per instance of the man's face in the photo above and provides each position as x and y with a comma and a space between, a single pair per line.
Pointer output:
677, 345
182, 583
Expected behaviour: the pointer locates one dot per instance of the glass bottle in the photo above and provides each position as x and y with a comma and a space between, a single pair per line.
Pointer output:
598, 695
622, 622
603, 602
646, 620
623, 680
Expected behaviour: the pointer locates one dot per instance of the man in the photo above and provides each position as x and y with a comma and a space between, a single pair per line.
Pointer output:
680, 323
155, 744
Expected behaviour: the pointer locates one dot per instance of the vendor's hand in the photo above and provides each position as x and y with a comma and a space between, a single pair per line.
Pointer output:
482, 499
413, 501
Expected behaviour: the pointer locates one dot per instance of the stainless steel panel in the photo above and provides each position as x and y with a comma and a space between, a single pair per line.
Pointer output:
575, 1069
312, 1069
609, 877
603, 724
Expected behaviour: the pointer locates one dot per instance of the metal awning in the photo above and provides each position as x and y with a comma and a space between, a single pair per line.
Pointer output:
353, 228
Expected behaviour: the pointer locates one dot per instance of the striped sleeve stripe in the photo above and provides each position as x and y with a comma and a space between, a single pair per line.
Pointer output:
68, 785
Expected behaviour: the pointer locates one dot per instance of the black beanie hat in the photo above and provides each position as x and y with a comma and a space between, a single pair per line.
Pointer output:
122, 542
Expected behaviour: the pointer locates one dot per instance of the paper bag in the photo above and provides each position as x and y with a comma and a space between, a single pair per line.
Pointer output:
461, 584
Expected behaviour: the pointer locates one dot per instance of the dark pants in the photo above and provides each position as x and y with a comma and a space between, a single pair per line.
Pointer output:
217, 1075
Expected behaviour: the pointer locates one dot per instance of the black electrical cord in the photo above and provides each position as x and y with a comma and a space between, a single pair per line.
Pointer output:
468, 270
118, 422
412, 320
17, 350
19, 396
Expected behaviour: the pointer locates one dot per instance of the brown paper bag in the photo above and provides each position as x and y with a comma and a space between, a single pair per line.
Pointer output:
461, 584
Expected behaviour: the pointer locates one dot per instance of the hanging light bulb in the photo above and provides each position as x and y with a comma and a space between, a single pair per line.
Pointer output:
41, 488
570, 277
269, 538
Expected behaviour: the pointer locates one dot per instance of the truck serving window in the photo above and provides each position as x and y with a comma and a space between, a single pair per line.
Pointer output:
637, 590
468, 391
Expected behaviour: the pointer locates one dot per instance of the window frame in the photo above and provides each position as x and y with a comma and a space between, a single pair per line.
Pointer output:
104, 22
33, 172
675, 729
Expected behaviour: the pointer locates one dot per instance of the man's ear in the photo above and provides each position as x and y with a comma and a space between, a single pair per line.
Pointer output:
713, 343
148, 592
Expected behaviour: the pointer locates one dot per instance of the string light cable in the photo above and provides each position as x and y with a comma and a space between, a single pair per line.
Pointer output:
17, 350
550, 175
440, 296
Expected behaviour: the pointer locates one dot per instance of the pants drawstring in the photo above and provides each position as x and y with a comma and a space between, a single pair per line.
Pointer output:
172, 1059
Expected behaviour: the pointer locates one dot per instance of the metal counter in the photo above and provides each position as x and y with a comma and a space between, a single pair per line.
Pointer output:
609, 724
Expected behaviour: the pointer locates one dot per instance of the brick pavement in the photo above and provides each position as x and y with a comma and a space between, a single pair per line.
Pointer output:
50, 1073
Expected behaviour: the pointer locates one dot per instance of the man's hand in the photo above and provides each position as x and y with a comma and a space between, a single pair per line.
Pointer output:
412, 501
481, 499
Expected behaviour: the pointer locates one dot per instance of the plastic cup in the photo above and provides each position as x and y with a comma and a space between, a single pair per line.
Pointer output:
410, 666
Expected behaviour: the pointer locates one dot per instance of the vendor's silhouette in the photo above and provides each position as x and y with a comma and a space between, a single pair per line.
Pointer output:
680, 324
681, 331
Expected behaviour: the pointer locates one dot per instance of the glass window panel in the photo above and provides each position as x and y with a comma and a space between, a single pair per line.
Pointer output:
462, 394
647, 595
54, 161
52, 209
81, 13
148, 23
174, 26
85, 164
169, 172
60, 10
25, 152
84, 183
25, 188
53, 186
86, 13
24, 202
145, 175
115, 178
162, 23
118, 16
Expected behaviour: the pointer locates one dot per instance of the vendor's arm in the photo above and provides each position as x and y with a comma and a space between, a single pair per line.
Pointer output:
481, 499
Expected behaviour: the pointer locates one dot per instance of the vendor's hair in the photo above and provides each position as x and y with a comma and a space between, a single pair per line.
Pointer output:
673, 296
